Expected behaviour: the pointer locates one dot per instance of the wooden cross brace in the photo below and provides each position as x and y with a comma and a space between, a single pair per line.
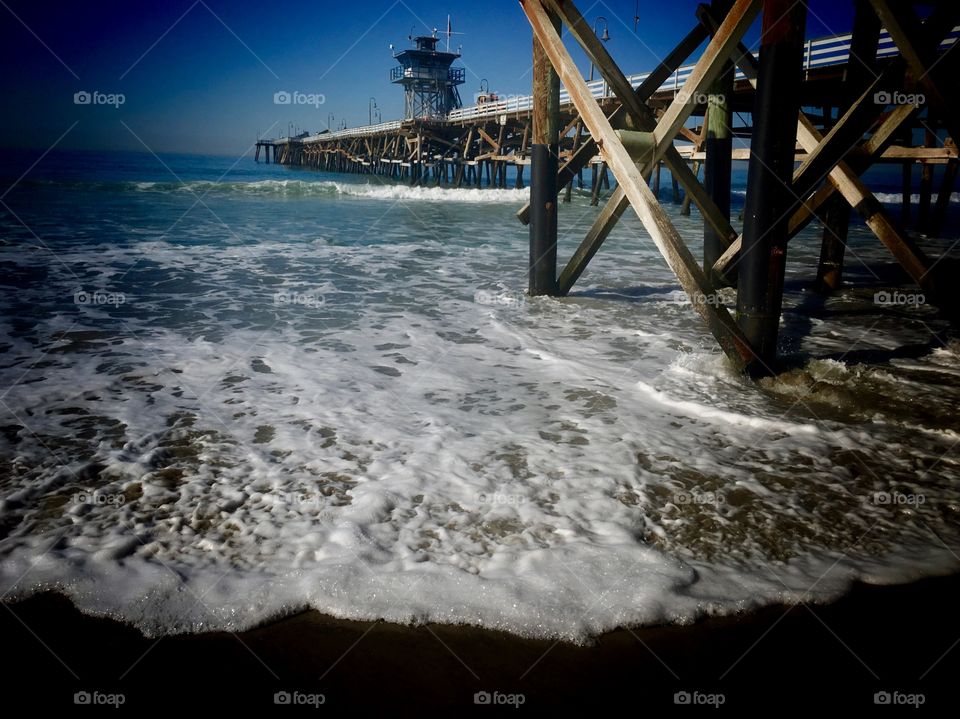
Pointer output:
629, 176
842, 178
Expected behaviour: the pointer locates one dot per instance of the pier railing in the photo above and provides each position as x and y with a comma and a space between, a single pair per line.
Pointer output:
818, 53
354, 131
822, 52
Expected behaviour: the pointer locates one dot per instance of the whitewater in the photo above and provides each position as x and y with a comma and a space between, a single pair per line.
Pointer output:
305, 391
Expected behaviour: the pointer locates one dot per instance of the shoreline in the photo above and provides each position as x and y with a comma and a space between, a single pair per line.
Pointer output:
902, 639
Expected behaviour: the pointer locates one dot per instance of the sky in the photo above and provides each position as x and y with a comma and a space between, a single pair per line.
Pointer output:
200, 76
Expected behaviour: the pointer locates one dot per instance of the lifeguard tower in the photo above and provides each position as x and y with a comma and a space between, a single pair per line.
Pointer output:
429, 82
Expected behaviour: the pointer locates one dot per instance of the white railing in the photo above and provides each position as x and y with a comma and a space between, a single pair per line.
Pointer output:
822, 52
351, 132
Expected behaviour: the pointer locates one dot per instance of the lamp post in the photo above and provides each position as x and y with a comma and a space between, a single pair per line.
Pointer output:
371, 106
330, 119
605, 37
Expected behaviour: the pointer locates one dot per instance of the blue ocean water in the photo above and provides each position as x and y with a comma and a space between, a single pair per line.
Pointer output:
231, 390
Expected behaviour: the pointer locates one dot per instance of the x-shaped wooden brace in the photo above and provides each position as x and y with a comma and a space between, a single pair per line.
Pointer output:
629, 176
922, 57
618, 118
643, 119
844, 179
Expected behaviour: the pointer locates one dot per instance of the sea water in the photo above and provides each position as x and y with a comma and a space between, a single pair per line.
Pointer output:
231, 391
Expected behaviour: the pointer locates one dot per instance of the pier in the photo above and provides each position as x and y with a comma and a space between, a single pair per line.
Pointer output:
878, 94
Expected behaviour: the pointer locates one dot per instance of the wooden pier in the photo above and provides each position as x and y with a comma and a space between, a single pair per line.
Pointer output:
875, 90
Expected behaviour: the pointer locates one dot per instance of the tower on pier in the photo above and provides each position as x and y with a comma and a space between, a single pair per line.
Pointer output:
429, 82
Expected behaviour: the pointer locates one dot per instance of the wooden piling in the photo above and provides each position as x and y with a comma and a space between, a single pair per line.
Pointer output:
926, 186
865, 39
906, 185
943, 197
770, 176
718, 165
543, 170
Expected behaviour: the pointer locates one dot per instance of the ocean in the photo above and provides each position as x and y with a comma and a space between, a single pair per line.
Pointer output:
232, 391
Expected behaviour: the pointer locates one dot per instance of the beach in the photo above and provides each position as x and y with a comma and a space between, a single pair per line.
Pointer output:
895, 640
339, 399
627, 381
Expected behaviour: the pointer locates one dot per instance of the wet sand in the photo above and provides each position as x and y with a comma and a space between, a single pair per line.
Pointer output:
903, 640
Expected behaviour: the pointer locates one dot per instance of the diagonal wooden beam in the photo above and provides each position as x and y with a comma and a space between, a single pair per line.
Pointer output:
698, 147
844, 135
843, 178
570, 125
708, 68
904, 249
643, 117
612, 210
860, 160
490, 141
650, 85
653, 217
913, 40
724, 42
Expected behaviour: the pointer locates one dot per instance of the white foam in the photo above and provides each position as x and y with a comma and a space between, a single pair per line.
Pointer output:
384, 190
418, 440
434, 194
888, 198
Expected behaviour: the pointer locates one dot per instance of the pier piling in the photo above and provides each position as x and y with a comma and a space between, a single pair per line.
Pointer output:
543, 171
718, 164
803, 167
769, 177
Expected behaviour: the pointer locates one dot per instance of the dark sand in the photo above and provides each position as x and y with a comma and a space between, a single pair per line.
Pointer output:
895, 639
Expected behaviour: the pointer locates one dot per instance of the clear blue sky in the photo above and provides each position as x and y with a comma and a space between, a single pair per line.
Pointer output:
201, 76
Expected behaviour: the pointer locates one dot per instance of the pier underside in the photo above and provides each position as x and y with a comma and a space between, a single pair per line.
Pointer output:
815, 126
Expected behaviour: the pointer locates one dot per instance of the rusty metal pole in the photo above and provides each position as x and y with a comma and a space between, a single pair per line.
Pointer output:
770, 175
543, 171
